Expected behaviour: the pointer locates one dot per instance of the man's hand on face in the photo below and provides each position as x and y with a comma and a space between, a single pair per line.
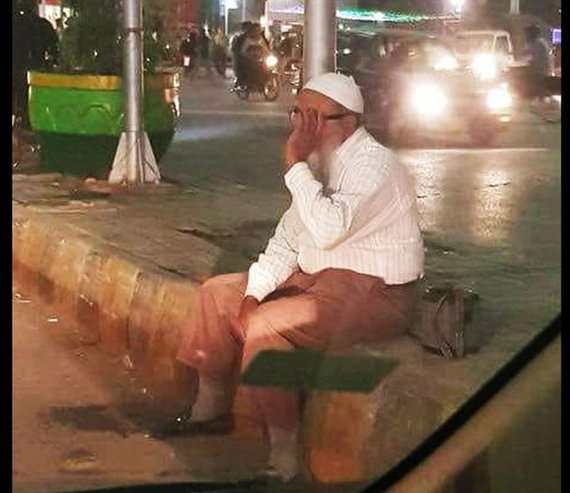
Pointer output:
303, 139
248, 305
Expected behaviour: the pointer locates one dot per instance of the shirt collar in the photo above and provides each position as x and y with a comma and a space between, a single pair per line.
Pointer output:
350, 145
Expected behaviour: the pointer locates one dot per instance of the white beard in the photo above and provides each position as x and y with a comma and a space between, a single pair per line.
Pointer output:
319, 162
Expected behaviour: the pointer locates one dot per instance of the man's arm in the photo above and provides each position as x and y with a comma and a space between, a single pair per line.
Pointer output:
329, 218
279, 260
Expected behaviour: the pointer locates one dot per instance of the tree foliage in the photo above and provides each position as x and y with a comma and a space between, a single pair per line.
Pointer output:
92, 40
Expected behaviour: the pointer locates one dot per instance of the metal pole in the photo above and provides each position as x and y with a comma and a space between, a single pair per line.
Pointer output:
243, 10
319, 38
226, 20
133, 88
515, 7
134, 160
267, 21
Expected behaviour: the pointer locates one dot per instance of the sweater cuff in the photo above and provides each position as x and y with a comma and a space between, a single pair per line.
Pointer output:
297, 174
258, 292
257, 285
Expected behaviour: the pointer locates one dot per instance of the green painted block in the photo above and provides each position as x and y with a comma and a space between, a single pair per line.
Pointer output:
79, 118
88, 155
304, 368
71, 111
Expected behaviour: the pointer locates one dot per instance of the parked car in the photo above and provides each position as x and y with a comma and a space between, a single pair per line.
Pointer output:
414, 86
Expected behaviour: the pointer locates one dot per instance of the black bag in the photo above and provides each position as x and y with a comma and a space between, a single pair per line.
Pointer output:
444, 320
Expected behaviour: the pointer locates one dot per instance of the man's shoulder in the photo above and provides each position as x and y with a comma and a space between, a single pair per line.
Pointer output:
369, 150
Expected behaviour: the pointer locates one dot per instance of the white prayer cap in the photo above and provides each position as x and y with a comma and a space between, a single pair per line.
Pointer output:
339, 88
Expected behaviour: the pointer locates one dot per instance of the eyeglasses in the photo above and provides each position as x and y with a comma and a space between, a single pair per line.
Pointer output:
294, 113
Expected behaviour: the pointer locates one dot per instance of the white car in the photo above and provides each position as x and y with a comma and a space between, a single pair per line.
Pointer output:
487, 52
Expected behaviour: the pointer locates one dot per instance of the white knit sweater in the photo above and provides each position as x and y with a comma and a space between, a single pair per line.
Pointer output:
365, 220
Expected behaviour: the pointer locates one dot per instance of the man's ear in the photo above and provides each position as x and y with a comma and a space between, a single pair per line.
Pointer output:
352, 123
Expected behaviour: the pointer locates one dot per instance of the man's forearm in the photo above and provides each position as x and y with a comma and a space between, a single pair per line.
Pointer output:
262, 282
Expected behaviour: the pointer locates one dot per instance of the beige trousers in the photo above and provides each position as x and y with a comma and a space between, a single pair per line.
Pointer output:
332, 309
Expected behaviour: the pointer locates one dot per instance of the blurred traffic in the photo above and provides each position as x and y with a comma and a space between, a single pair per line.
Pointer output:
417, 79
416, 83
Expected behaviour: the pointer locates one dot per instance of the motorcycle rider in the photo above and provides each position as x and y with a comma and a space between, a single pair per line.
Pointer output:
254, 50
539, 67
188, 49
236, 46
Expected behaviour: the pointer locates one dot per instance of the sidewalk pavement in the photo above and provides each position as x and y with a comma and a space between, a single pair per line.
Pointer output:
126, 265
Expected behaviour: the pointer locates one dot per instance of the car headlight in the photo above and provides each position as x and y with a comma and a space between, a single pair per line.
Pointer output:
499, 98
484, 66
271, 61
446, 62
428, 100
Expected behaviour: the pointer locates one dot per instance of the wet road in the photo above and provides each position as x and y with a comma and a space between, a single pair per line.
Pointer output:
223, 139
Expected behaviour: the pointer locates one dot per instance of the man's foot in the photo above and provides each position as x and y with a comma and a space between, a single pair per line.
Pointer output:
274, 477
209, 414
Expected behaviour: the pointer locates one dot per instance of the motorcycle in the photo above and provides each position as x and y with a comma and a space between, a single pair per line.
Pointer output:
261, 76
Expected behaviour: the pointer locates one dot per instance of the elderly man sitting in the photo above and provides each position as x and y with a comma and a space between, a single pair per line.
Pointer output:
341, 267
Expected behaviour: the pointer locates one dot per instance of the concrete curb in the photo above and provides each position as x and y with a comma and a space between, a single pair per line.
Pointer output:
133, 308
130, 307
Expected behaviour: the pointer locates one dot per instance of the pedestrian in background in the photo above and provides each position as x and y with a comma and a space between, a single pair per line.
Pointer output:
204, 49
219, 49
236, 48
35, 46
539, 67
59, 27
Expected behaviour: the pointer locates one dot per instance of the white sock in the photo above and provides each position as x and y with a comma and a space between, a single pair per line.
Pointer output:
283, 455
212, 400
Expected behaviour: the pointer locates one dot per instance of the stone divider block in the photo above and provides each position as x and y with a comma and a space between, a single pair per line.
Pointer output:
28, 244
90, 291
128, 307
176, 306
146, 311
355, 437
